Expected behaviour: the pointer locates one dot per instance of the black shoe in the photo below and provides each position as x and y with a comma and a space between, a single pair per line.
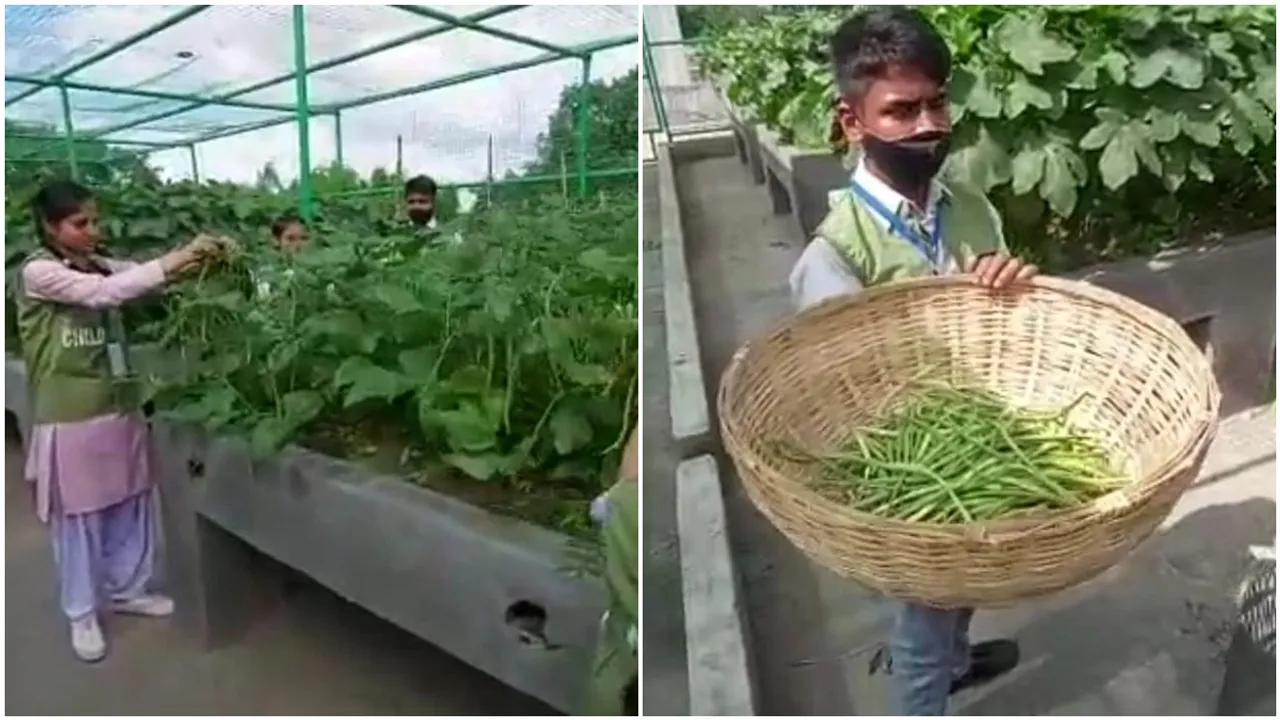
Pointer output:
987, 661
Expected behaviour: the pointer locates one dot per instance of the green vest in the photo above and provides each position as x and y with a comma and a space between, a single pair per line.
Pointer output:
970, 227
66, 351
616, 660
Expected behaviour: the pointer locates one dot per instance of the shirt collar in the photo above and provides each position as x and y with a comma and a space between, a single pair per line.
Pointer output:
891, 198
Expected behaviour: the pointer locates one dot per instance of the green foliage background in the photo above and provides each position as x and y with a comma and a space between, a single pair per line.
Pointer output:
494, 358
1100, 132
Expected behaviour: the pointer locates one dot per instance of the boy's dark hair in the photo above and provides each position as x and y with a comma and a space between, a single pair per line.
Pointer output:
866, 45
283, 222
56, 201
420, 185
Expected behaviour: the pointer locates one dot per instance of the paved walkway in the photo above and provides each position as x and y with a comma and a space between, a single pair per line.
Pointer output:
318, 655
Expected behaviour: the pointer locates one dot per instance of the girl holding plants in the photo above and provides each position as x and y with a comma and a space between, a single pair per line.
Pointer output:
88, 454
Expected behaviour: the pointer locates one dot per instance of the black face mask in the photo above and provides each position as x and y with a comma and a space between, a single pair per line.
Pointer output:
420, 217
910, 163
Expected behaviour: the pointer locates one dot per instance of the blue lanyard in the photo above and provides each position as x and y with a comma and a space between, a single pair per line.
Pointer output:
931, 248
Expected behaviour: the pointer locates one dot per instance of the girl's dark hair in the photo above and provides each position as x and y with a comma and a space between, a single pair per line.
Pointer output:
56, 201
283, 222
866, 45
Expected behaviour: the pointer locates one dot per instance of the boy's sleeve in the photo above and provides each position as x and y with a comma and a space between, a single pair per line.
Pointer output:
622, 554
820, 273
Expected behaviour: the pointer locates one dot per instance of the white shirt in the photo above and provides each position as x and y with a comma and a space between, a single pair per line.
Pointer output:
823, 271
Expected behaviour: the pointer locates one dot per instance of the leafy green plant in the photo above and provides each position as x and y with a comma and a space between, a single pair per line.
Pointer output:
507, 358
1099, 131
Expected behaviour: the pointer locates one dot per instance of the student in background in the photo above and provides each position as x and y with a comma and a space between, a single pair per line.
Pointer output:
289, 231
420, 201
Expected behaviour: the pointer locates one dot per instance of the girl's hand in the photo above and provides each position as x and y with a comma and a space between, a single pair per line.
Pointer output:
998, 271
176, 262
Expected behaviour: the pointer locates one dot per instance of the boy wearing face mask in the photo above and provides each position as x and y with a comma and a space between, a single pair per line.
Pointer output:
420, 201
895, 219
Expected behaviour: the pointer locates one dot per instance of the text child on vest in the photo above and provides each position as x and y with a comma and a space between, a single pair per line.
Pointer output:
895, 220
87, 455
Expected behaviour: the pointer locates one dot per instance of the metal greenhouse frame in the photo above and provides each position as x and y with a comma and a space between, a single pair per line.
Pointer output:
302, 110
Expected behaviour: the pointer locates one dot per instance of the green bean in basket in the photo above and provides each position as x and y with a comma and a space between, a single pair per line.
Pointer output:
956, 455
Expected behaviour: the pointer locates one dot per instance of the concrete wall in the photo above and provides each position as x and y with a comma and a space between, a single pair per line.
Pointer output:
495, 592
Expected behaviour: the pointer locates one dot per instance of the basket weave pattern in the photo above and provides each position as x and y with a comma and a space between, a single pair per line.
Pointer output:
1151, 398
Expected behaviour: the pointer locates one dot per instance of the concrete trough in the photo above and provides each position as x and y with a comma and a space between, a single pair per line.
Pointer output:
746, 138
720, 676
497, 593
799, 180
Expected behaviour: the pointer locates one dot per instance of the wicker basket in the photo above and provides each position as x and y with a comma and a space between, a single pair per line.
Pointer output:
836, 367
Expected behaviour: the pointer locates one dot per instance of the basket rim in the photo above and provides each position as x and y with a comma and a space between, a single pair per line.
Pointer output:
991, 530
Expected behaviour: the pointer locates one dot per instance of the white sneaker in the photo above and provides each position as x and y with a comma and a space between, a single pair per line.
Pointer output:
147, 605
87, 639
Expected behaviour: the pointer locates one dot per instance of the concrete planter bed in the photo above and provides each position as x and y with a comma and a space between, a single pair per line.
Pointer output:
746, 136
799, 180
493, 591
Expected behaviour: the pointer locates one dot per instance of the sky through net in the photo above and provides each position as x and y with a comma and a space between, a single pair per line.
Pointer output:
211, 89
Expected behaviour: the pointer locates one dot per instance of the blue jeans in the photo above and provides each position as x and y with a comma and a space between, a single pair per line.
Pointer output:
930, 649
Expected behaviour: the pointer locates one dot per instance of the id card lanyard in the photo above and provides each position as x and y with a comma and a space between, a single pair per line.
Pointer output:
930, 247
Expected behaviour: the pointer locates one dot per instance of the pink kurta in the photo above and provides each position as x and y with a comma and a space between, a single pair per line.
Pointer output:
85, 466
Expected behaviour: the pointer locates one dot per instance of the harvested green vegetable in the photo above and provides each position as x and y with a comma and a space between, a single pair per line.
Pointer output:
952, 455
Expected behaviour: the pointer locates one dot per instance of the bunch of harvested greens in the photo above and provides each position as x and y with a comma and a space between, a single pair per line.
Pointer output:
953, 455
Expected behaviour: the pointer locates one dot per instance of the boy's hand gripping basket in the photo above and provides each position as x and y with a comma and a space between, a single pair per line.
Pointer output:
1151, 397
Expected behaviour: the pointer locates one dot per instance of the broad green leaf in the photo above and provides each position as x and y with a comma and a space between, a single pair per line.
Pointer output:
982, 98
1130, 143
1117, 66
467, 429
301, 407
269, 435
1029, 45
1165, 126
1028, 168
1063, 172
396, 298
1177, 66
979, 159
1024, 94
419, 363
1109, 122
570, 429
366, 381
481, 467
1204, 131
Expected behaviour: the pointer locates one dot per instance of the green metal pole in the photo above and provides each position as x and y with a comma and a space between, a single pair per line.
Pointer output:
584, 125
655, 89
303, 112
195, 165
337, 134
480, 27
70, 131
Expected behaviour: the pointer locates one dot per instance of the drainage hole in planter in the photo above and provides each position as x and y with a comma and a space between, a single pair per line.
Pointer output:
530, 619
